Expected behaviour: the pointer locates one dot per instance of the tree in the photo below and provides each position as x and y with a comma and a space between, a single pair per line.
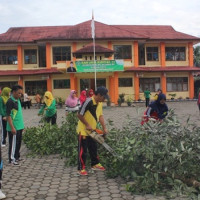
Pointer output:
197, 56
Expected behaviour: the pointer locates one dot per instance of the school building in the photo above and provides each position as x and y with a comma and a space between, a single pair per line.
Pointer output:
129, 59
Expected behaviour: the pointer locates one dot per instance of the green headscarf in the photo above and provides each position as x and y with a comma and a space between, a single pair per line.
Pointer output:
5, 94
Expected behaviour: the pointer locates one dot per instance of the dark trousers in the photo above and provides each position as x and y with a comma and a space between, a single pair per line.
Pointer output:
84, 143
4, 132
1, 168
147, 102
51, 119
27, 103
14, 145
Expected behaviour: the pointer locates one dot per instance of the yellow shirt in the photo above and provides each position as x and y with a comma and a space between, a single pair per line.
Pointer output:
91, 111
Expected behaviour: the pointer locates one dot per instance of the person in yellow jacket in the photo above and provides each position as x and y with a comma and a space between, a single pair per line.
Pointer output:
159, 91
89, 115
50, 108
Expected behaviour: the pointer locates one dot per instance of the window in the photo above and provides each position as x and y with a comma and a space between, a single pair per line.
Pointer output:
152, 53
151, 83
8, 57
61, 54
122, 52
9, 84
30, 56
101, 82
177, 84
175, 53
125, 82
32, 87
61, 84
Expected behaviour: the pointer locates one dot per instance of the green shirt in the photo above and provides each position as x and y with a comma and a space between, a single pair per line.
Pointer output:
147, 94
50, 110
14, 109
2, 108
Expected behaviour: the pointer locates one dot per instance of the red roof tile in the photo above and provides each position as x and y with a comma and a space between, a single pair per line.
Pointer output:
162, 69
82, 31
29, 72
89, 49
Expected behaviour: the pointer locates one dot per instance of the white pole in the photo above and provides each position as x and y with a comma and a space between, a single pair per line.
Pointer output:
95, 70
93, 36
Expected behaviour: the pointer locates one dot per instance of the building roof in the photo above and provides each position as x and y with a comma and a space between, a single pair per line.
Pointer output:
29, 72
90, 49
82, 31
163, 69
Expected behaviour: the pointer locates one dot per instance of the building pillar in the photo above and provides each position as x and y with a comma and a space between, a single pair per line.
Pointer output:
20, 81
48, 55
164, 83
162, 54
110, 47
19, 57
135, 47
72, 81
191, 86
136, 86
74, 48
49, 84
190, 54
116, 89
111, 91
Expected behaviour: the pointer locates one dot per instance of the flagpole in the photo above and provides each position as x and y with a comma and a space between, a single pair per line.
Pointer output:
93, 36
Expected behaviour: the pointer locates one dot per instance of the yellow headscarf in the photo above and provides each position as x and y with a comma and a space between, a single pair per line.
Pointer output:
48, 98
5, 94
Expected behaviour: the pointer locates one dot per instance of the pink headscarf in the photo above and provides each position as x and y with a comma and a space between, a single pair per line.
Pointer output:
71, 101
91, 92
82, 97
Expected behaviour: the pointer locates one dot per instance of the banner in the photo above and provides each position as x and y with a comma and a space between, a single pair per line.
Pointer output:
101, 66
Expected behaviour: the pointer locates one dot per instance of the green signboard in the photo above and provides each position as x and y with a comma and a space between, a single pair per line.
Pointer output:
101, 66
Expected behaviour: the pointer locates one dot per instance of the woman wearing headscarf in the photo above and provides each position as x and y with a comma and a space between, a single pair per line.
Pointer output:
5, 94
91, 93
72, 102
83, 97
50, 108
157, 110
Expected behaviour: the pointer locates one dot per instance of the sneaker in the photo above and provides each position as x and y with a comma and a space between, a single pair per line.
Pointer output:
83, 172
3, 145
2, 195
20, 159
98, 167
14, 163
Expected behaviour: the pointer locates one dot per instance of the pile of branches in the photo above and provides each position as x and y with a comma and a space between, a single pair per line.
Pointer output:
156, 157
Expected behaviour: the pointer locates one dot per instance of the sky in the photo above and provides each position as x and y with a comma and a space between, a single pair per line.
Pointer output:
183, 15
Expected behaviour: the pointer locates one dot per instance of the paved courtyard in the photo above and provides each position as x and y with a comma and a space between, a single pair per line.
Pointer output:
46, 178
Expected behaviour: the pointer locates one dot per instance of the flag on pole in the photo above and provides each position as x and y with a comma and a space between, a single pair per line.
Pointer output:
93, 26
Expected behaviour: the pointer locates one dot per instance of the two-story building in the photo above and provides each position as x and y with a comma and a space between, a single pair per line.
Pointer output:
144, 56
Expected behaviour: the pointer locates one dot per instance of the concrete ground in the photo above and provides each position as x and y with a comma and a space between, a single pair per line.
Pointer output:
46, 178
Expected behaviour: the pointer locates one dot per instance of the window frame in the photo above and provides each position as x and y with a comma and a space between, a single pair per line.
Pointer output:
176, 83
125, 54
125, 82
61, 54
151, 51
5, 55
41, 85
57, 85
32, 54
175, 53
149, 83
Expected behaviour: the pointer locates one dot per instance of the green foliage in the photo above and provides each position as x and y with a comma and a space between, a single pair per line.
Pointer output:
47, 139
197, 56
156, 156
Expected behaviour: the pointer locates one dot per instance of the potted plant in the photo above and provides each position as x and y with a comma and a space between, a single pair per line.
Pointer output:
119, 101
60, 101
108, 102
129, 101
172, 96
121, 96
